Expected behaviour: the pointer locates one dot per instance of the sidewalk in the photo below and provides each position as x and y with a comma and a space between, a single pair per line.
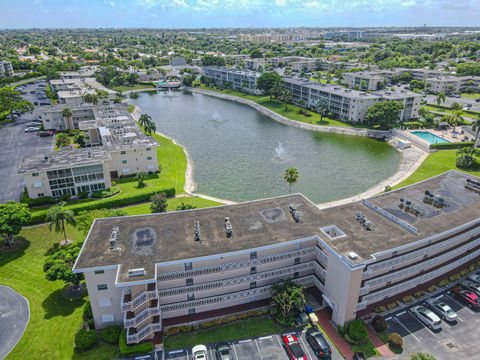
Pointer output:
382, 348
342, 346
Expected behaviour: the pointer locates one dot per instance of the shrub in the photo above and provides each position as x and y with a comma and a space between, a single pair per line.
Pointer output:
110, 334
87, 311
418, 294
432, 288
44, 200
422, 356
65, 197
356, 330
83, 195
380, 309
447, 146
443, 283
128, 350
407, 299
85, 339
379, 324
392, 305
395, 340
158, 203
387, 188
105, 193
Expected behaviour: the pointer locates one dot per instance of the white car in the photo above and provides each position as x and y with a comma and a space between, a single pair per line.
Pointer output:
426, 317
474, 277
32, 129
442, 309
200, 352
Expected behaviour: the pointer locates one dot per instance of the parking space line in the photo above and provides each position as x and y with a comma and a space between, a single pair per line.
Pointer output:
235, 351
461, 305
278, 340
304, 343
258, 348
426, 327
400, 323
244, 341
265, 337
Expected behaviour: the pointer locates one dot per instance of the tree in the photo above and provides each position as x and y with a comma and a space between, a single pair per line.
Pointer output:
441, 97
456, 106
150, 127
67, 114
141, 177
256, 54
13, 216
11, 100
91, 98
467, 157
144, 119
183, 206
476, 128
85, 218
384, 113
288, 299
422, 356
322, 108
188, 80
79, 139
158, 202
212, 60
285, 97
267, 82
58, 217
291, 177
455, 119
58, 266
62, 140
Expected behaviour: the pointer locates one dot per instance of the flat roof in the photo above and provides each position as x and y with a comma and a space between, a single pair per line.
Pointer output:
144, 240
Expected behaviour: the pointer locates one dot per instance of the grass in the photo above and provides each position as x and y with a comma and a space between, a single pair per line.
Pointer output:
470, 96
238, 330
54, 318
292, 111
122, 88
366, 347
442, 110
435, 164
172, 205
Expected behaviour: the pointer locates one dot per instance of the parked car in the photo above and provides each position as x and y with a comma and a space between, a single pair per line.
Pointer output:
472, 286
318, 343
474, 278
46, 133
427, 317
294, 350
223, 352
301, 319
32, 129
467, 297
33, 124
477, 100
442, 309
199, 352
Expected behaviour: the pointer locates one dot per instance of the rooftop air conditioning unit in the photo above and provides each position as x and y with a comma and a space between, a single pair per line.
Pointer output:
136, 272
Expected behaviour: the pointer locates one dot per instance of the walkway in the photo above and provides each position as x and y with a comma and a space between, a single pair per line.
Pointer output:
327, 326
382, 348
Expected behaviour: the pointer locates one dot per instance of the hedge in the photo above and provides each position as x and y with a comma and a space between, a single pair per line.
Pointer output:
128, 350
85, 339
446, 146
111, 334
40, 215
44, 200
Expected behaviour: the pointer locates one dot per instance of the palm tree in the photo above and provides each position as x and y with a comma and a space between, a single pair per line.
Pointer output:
291, 176
455, 119
466, 157
441, 98
285, 97
150, 127
476, 128
322, 107
58, 216
67, 113
144, 119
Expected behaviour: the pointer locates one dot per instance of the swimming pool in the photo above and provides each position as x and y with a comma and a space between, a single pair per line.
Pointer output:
428, 136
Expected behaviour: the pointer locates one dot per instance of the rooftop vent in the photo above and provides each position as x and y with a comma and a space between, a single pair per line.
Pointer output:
136, 272
333, 232
45, 157
410, 207
472, 185
228, 227
364, 221
435, 200
295, 213
196, 230
113, 238
353, 255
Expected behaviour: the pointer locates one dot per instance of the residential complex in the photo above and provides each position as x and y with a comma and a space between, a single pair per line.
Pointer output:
71, 90
453, 84
245, 81
115, 147
6, 69
149, 272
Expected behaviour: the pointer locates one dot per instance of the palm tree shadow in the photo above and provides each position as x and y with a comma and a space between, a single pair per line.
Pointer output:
53, 249
14, 252
58, 304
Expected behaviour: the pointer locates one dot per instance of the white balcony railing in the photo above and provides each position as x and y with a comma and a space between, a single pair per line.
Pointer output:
139, 300
142, 334
142, 316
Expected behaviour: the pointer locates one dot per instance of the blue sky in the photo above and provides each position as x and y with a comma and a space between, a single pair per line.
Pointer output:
236, 13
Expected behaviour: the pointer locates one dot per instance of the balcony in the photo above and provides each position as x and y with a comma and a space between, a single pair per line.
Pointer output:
129, 304
141, 317
135, 337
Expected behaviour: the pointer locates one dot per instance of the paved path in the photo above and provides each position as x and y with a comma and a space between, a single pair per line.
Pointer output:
327, 326
383, 349
14, 317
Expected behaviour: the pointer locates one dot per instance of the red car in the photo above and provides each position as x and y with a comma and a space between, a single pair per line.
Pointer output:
294, 350
467, 297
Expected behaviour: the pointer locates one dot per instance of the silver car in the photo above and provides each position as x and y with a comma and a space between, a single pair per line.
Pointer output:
442, 309
426, 317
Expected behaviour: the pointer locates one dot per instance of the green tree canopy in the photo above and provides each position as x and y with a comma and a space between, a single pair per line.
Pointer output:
159, 203
288, 299
13, 216
384, 113
422, 356
85, 218
11, 100
212, 60
256, 54
58, 216
267, 82
58, 266
291, 177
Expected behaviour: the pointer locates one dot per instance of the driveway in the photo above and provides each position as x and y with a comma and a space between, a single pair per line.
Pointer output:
14, 317
15, 145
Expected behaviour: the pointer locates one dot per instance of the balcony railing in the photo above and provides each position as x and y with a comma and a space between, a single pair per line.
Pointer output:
138, 319
236, 264
139, 300
142, 334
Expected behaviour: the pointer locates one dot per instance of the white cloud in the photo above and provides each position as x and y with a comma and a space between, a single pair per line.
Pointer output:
281, 3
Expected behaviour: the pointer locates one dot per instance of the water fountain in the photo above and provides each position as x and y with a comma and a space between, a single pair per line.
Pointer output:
216, 116
280, 153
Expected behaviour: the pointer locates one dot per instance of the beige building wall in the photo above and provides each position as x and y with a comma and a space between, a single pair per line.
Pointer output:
132, 161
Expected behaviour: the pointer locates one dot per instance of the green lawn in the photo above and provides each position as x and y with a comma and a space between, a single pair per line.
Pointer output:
238, 330
470, 96
172, 205
54, 318
435, 164
122, 88
291, 113
438, 109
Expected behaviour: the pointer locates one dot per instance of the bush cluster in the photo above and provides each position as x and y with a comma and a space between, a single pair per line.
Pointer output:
380, 309
85, 339
44, 200
395, 341
128, 350
356, 331
87, 311
407, 299
447, 146
379, 324
111, 334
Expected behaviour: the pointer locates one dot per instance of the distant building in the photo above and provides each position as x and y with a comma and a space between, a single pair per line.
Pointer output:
178, 61
453, 84
6, 69
71, 90
245, 81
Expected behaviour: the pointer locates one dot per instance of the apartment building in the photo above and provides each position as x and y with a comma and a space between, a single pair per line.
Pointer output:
297, 63
71, 91
245, 81
453, 84
348, 104
6, 69
275, 37
364, 80
115, 147
149, 272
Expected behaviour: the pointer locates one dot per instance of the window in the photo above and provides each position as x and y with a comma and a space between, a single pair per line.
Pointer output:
123, 152
188, 265
191, 311
296, 275
105, 302
253, 255
107, 318
253, 270
98, 272
102, 287
190, 297
149, 149
34, 174
253, 285
297, 260
124, 161
40, 194
149, 158
189, 282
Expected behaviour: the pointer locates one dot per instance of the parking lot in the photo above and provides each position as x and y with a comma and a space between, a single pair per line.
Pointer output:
262, 348
15, 145
456, 340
